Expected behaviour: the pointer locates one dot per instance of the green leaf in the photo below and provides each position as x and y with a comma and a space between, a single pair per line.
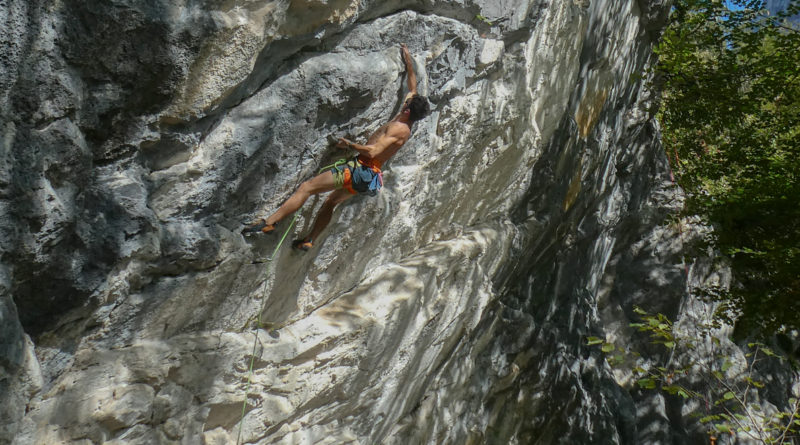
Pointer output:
483, 19
669, 344
722, 428
591, 341
646, 383
726, 365
671, 389
728, 395
607, 347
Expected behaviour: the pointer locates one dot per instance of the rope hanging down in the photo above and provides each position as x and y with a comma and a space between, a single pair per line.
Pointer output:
258, 325
263, 303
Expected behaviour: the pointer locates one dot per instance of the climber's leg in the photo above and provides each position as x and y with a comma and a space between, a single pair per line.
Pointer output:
323, 218
319, 184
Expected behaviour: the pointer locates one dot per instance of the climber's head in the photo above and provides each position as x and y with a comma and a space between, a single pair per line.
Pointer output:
415, 107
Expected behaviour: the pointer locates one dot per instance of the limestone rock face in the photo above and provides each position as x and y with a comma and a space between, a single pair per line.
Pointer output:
526, 212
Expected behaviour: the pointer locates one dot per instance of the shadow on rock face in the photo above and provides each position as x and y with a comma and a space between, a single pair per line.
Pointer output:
139, 72
11, 338
43, 299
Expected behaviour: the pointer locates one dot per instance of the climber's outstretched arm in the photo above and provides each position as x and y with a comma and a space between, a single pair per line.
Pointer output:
372, 150
412, 78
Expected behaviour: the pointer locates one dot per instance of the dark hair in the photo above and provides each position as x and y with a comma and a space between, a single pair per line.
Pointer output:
418, 108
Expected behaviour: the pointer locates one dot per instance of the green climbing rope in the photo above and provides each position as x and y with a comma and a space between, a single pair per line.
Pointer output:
334, 165
263, 302
258, 325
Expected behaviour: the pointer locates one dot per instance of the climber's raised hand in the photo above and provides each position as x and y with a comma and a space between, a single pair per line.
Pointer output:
343, 143
406, 54
412, 78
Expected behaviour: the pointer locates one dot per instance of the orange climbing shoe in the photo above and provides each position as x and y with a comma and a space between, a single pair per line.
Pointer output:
259, 226
302, 244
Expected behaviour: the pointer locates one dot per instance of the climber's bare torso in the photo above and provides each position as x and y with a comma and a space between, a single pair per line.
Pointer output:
387, 140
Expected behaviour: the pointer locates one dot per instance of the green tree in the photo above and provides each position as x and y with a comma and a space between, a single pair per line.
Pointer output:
730, 112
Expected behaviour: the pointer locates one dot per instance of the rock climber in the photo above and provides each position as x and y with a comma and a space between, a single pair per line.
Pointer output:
360, 175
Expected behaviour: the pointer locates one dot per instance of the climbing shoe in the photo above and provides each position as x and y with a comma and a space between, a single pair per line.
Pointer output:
259, 226
302, 244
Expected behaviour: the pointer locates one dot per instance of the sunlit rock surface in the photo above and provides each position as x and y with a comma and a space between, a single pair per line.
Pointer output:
528, 211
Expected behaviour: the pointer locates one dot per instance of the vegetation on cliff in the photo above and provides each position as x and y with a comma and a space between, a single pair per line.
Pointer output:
731, 127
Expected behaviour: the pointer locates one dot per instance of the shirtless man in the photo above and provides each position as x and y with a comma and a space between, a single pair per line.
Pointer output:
362, 174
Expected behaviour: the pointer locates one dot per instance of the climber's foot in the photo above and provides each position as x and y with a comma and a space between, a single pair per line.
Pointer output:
259, 226
302, 244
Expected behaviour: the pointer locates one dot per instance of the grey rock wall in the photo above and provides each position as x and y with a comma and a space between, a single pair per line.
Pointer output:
527, 212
